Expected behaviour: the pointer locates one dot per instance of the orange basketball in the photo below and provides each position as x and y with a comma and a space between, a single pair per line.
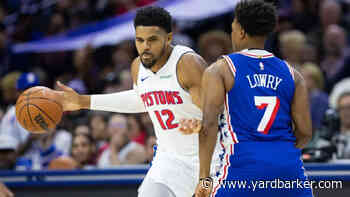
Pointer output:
38, 109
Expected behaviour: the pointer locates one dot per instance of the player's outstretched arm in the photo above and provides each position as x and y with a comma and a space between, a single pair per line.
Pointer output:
301, 112
122, 102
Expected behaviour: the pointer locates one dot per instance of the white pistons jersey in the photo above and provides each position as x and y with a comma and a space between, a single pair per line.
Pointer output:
167, 103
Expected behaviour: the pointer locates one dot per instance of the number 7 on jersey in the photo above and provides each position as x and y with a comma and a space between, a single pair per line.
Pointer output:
272, 104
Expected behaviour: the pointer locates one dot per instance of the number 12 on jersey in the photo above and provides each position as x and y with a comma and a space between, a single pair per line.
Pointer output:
170, 118
272, 104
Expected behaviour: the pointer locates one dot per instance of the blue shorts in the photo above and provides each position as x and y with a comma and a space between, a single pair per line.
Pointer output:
258, 169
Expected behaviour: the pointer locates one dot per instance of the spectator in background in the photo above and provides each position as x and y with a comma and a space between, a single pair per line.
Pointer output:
318, 99
330, 13
82, 129
120, 150
339, 88
57, 24
118, 139
213, 44
343, 138
84, 150
82, 155
147, 122
304, 14
126, 82
2, 12
57, 62
1, 114
292, 44
151, 141
8, 146
82, 63
284, 23
13, 84
99, 131
45, 149
136, 129
62, 139
4, 49
336, 62
309, 54
180, 38
123, 55
112, 83
8, 88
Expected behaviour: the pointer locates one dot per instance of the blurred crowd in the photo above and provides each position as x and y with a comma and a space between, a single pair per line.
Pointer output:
312, 35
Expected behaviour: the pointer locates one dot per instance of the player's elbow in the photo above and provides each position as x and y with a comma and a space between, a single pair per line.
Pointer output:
208, 127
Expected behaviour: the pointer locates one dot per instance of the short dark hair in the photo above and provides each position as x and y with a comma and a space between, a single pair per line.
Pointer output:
153, 16
257, 17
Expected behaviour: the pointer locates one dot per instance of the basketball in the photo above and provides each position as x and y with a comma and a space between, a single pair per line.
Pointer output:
37, 109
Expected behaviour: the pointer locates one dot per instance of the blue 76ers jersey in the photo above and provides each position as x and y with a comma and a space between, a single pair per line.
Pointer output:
259, 104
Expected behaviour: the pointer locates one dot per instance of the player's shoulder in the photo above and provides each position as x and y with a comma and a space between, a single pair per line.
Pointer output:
191, 57
191, 61
136, 62
190, 68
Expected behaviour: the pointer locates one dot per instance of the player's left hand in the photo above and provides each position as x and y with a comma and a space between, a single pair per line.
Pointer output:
190, 126
204, 188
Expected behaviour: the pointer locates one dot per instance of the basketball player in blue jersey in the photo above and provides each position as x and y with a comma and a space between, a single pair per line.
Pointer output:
267, 113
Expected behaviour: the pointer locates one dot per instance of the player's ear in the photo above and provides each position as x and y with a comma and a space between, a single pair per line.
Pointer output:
170, 37
242, 33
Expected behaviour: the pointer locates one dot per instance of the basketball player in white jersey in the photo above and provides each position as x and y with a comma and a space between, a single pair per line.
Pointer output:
167, 83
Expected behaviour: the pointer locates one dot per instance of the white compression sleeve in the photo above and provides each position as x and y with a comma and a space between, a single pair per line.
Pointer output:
122, 102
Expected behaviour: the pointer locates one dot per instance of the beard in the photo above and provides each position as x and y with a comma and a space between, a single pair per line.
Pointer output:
148, 64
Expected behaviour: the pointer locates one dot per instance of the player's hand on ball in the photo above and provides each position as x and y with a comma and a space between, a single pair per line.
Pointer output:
70, 99
190, 126
4, 192
204, 188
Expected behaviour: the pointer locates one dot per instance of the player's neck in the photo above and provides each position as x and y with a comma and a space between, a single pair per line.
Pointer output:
254, 43
162, 61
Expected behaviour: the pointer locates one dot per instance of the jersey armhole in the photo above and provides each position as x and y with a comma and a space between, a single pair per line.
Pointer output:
230, 65
291, 69
176, 75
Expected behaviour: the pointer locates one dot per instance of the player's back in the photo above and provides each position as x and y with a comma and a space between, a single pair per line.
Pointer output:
259, 104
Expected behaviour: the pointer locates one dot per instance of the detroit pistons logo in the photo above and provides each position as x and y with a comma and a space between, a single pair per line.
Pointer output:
165, 116
161, 98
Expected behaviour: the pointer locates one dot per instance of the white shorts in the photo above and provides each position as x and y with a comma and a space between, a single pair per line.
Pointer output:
180, 174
